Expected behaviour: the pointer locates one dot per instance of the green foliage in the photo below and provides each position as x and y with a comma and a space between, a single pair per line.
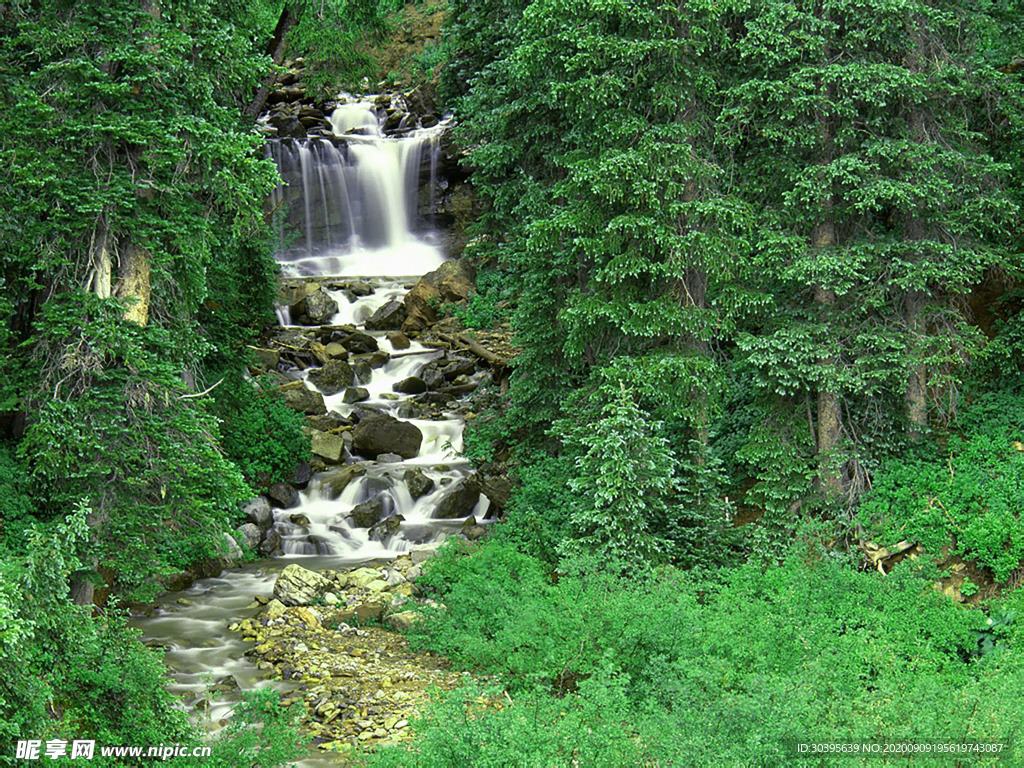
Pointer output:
260, 734
966, 494
810, 650
329, 33
261, 434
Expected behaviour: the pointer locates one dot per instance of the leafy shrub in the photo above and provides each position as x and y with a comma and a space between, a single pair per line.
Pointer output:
261, 434
968, 494
721, 667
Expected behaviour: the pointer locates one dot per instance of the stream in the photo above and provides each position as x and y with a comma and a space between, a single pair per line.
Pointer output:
350, 217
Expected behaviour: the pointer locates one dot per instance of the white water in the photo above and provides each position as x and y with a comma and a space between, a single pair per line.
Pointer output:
348, 205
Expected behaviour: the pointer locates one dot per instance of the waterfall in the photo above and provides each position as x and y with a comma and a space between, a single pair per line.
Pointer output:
347, 204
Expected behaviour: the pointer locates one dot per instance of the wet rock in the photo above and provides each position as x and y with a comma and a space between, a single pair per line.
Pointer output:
333, 377
299, 586
432, 376
314, 309
251, 534
399, 341
418, 483
369, 512
363, 371
299, 520
389, 458
335, 351
271, 545
413, 385
258, 512
386, 528
302, 475
458, 366
473, 530
458, 501
379, 434
283, 496
360, 288
334, 484
329, 447
301, 399
408, 410
360, 343
388, 318
355, 395
453, 281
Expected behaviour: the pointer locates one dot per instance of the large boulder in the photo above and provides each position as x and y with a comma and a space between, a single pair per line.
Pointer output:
298, 397
453, 281
337, 482
333, 377
385, 528
381, 433
360, 343
458, 501
388, 318
283, 496
413, 385
251, 534
417, 483
299, 586
369, 512
258, 512
317, 308
328, 447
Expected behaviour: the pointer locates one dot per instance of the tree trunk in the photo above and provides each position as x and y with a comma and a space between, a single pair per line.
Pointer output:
275, 49
829, 415
133, 283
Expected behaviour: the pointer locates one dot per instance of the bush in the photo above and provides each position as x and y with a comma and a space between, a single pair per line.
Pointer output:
721, 667
967, 494
261, 434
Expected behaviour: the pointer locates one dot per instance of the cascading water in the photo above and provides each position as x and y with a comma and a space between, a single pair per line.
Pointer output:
347, 206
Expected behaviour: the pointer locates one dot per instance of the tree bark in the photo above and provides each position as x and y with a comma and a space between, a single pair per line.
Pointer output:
275, 49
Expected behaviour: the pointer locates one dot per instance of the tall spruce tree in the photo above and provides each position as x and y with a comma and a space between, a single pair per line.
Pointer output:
858, 128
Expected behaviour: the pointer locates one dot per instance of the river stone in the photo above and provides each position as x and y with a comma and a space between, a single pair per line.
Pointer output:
299, 586
452, 281
379, 434
369, 512
251, 533
360, 288
420, 556
315, 309
413, 385
355, 395
401, 622
333, 377
458, 366
386, 528
258, 512
302, 475
362, 576
275, 610
271, 545
299, 520
418, 483
233, 551
283, 496
432, 376
304, 400
329, 447
336, 351
458, 501
269, 358
363, 371
360, 343
388, 318
337, 482
399, 341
